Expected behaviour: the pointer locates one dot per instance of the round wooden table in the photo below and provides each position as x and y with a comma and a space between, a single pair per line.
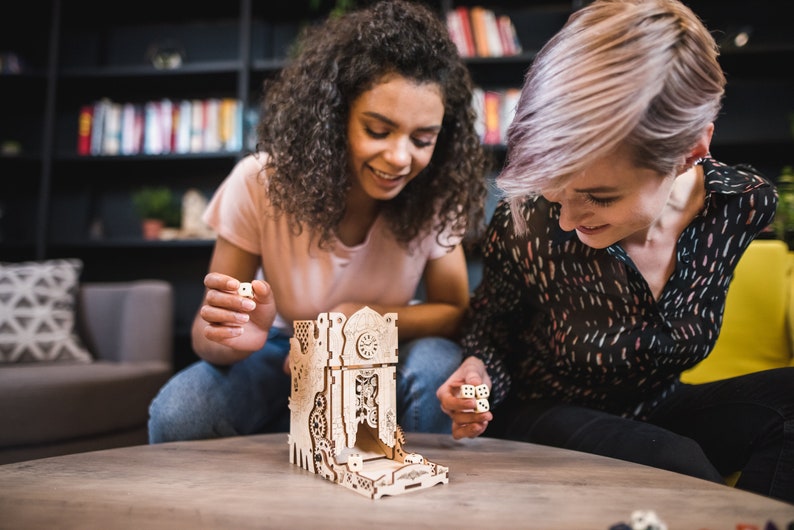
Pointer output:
248, 482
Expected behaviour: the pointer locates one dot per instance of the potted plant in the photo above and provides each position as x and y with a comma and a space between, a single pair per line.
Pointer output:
156, 207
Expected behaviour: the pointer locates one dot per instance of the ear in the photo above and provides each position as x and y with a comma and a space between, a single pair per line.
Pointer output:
701, 147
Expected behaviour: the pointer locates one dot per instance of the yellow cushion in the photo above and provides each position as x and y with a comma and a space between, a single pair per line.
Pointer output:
759, 316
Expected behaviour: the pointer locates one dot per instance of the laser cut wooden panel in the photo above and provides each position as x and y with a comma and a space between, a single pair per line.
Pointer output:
343, 411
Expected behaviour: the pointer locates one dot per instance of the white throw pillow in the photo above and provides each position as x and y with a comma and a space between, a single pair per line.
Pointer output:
37, 312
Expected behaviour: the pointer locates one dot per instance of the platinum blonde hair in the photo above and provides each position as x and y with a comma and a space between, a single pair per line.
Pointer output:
640, 74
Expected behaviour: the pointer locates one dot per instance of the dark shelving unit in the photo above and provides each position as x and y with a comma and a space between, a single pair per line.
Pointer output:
56, 203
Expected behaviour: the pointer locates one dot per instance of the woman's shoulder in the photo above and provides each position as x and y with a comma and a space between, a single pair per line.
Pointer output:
743, 195
246, 181
248, 173
729, 179
251, 165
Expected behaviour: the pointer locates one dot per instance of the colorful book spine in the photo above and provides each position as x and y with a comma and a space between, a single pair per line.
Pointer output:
480, 31
468, 34
183, 126
492, 114
85, 117
111, 136
98, 126
197, 126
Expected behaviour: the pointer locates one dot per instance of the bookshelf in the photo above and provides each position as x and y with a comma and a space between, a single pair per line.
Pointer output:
26, 76
55, 202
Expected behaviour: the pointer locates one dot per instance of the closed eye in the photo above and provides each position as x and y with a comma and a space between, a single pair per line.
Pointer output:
418, 142
376, 135
601, 201
423, 143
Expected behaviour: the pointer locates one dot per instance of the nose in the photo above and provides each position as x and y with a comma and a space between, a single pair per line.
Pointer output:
398, 153
569, 217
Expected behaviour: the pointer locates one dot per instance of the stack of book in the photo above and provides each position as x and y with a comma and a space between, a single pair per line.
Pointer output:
108, 127
479, 32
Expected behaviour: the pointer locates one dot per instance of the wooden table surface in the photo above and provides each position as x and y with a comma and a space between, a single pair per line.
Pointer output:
248, 482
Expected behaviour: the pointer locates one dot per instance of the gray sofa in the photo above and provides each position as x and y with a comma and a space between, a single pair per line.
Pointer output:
55, 408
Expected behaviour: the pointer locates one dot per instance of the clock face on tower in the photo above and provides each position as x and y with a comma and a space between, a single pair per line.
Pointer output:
367, 345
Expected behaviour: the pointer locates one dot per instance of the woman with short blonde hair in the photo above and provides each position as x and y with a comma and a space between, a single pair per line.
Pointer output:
607, 266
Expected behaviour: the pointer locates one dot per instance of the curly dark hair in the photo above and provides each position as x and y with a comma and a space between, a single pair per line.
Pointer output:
305, 113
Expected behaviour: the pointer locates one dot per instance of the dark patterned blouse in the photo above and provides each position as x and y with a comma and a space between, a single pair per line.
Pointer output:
556, 319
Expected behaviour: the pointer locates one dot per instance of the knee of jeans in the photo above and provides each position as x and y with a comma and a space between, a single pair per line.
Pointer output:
429, 356
684, 455
176, 414
157, 421
164, 418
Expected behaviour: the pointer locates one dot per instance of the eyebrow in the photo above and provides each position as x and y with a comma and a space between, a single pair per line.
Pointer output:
381, 117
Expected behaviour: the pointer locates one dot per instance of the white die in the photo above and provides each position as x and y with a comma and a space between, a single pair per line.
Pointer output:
414, 458
246, 290
467, 391
482, 405
646, 520
482, 391
355, 462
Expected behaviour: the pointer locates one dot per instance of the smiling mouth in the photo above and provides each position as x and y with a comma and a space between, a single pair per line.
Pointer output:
385, 176
590, 228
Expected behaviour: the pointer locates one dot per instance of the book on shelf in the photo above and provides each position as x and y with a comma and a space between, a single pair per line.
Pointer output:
231, 129
183, 125
211, 140
166, 124
250, 118
495, 111
493, 40
153, 133
98, 125
492, 109
507, 32
175, 109
85, 117
160, 127
507, 110
131, 129
480, 32
196, 126
111, 136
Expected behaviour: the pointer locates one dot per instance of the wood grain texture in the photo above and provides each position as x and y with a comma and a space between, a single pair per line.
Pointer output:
248, 482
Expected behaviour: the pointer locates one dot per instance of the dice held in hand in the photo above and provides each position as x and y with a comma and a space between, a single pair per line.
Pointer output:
246, 289
480, 393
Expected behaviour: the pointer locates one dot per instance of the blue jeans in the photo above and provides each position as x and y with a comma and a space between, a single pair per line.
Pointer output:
252, 396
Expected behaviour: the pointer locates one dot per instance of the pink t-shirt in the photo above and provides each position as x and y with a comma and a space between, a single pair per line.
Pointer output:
306, 280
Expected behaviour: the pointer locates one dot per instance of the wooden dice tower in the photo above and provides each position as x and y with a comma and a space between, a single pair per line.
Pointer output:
343, 417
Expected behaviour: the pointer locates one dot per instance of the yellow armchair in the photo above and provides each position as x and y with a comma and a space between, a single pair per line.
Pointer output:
758, 326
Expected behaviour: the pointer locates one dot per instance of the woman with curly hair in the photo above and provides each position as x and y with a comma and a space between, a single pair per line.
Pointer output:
368, 173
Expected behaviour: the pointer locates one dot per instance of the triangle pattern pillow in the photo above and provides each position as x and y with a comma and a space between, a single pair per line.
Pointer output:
37, 312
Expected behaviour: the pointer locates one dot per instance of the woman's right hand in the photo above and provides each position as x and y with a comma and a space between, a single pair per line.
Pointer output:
233, 320
466, 423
